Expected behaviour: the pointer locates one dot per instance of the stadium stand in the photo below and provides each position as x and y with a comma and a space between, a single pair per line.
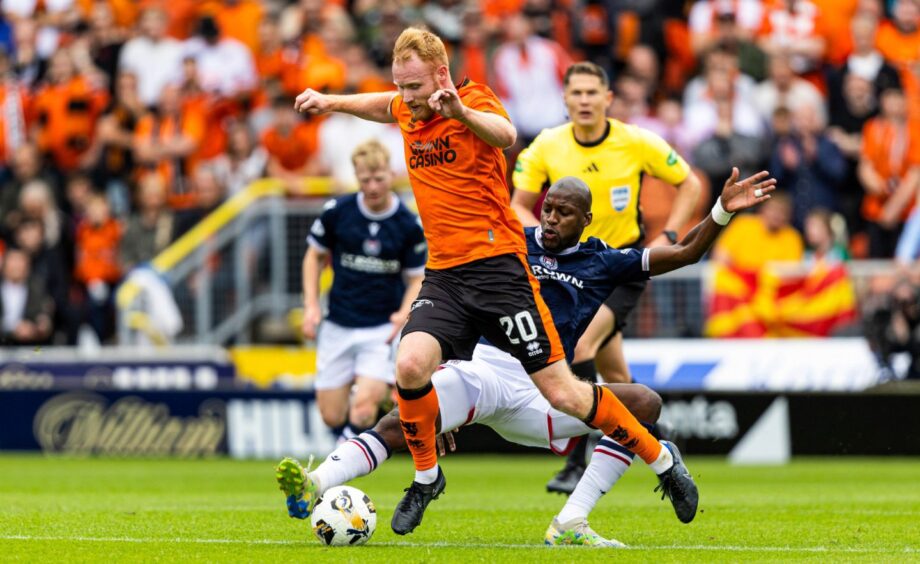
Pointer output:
126, 123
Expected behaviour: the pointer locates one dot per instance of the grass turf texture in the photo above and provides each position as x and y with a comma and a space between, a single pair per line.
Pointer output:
494, 510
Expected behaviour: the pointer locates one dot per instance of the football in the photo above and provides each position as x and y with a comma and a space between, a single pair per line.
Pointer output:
344, 516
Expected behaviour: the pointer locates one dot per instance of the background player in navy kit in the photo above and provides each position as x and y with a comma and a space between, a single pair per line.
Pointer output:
494, 389
378, 258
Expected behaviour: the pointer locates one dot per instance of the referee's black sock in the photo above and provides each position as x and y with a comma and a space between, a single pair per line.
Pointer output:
585, 371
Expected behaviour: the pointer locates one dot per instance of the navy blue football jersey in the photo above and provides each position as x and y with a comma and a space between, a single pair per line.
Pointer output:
370, 253
576, 281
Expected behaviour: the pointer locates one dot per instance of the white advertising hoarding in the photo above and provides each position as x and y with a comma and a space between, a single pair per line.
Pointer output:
840, 364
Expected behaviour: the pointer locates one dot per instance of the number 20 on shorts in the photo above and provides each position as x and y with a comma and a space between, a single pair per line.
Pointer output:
523, 322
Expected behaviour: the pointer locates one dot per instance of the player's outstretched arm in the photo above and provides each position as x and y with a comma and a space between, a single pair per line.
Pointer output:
736, 196
374, 106
491, 128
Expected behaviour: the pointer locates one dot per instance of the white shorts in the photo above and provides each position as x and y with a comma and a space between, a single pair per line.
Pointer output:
494, 390
342, 353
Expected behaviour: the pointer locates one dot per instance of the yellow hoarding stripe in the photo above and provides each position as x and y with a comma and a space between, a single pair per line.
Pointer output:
263, 366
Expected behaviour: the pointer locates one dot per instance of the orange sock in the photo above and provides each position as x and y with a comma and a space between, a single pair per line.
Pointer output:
417, 412
611, 416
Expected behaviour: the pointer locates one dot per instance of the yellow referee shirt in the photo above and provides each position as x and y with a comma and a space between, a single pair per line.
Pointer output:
611, 167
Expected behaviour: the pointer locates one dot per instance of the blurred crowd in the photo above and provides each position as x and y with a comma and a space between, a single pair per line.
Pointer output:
125, 122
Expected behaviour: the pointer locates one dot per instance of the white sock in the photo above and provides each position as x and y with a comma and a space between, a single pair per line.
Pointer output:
608, 463
664, 461
352, 459
427, 476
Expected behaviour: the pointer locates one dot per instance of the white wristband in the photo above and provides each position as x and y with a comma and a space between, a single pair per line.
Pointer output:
719, 215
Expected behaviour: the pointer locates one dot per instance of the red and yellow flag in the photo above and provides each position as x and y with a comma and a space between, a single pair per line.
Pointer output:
768, 303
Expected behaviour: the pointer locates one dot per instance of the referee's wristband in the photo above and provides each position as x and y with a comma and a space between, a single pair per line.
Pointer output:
719, 215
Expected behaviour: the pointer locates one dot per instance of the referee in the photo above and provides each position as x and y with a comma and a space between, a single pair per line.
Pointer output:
611, 157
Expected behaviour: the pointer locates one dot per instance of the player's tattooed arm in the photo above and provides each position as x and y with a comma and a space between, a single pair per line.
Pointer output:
736, 196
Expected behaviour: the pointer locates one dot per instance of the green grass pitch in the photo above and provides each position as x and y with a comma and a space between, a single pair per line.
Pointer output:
494, 510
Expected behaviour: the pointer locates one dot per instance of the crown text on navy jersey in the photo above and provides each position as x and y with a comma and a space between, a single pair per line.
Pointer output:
575, 281
370, 252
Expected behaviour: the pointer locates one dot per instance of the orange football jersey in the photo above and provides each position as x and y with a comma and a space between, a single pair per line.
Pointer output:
460, 184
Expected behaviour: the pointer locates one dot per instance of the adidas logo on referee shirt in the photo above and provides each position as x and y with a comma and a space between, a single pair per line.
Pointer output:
592, 168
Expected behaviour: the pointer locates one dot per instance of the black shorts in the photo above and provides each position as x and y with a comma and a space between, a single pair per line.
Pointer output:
622, 301
496, 298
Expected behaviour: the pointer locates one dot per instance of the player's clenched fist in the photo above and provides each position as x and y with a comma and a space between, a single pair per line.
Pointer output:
312, 102
447, 103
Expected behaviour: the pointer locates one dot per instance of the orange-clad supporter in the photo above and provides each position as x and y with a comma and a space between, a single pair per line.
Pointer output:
215, 110
181, 16
793, 28
270, 53
889, 169
477, 281
97, 239
497, 10
596, 34
899, 38
124, 12
216, 113
835, 17
240, 20
66, 109
912, 90
291, 144
111, 156
96, 264
165, 142
362, 75
680, 56
472, 58
312, 68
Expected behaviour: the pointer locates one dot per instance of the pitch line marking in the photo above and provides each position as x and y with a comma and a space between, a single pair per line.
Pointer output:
699, 547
